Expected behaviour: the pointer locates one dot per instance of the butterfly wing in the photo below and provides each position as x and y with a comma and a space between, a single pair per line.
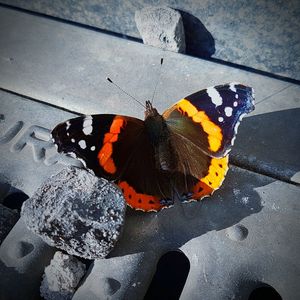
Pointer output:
117, 148
203, 126
210, 117
199, 175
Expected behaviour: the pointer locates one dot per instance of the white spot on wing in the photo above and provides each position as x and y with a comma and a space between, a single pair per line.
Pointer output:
220, 119
215, 96
72, 140
82, 144
93, 148
82, 161
235, 132
236, 127
236, 96
232, 87
72, 154
87, 125
68, 124
228, 111
235, 104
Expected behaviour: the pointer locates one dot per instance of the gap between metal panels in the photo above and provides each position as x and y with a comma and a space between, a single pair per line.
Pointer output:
41, 101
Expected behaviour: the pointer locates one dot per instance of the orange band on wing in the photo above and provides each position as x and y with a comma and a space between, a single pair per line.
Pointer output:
214, 132
139, 201
105, 153
213, 180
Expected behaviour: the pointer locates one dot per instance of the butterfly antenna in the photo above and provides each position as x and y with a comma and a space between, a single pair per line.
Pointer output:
108, 79
157, 81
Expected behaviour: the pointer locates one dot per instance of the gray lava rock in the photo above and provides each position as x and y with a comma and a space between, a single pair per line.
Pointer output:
8, 218
161, 27
61, 277
77, 212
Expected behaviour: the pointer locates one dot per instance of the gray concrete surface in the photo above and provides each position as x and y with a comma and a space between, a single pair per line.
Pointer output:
259, 34
244, 236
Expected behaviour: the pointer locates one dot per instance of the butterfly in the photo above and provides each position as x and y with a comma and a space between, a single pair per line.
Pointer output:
183, 152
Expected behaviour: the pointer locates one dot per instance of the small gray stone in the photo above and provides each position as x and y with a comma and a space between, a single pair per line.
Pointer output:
77, 212
61, 277
161, 27
8, 218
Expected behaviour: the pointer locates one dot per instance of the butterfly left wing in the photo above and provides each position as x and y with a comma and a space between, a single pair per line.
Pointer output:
118, 149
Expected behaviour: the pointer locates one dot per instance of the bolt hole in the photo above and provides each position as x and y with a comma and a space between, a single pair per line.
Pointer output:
111, 286
22, 249
265, 292
15, 200
169, 279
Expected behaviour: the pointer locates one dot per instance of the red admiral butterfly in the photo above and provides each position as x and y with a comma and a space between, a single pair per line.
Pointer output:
184, 151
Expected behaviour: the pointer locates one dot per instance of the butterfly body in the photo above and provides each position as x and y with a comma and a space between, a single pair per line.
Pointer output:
182, 152
159, 137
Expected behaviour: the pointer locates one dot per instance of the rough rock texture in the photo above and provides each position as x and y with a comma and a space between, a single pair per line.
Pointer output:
8, 218
161, 27
77, 212
61, 277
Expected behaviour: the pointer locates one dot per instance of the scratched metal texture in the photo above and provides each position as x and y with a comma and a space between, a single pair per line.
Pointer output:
67, 66
245, 235
246, 231
260, 34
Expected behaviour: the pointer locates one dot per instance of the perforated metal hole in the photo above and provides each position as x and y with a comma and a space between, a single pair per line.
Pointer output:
15, 200
264, 292
170, 276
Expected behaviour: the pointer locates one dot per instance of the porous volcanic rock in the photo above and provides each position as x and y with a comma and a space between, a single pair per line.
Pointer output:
77, 212
61, 277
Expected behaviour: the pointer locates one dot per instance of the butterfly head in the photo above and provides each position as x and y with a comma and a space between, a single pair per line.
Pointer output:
150, 110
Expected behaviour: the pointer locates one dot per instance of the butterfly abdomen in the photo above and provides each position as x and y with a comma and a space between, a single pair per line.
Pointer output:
159, 136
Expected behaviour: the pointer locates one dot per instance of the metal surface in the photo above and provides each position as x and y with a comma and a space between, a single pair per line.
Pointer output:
259, 34
67, 66
245, 235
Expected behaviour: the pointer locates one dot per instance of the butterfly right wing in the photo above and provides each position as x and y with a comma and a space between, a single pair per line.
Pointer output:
205, 124
91, 139
210, 118
202, 174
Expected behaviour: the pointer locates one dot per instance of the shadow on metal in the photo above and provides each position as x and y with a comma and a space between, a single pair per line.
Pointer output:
173, 227
274, 142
